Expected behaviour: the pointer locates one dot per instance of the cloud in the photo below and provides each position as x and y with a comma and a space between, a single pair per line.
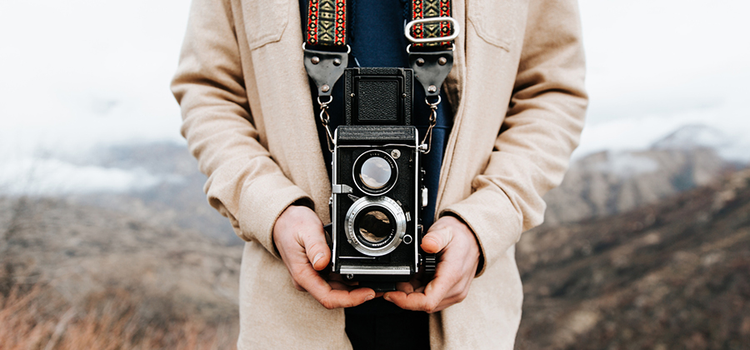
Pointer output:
83, 72
38, 176
656, 65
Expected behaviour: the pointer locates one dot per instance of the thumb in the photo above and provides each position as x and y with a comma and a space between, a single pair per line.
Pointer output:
316, 248
436, 240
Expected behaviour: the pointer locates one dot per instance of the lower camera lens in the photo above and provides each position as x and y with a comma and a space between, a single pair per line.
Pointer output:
375, 226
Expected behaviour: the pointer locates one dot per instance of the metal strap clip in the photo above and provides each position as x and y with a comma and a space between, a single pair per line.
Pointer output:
454, 23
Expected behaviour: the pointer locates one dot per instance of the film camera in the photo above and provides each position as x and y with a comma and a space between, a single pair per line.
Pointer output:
377, 181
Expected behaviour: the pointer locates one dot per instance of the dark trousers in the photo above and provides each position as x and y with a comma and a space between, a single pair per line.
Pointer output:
378, 324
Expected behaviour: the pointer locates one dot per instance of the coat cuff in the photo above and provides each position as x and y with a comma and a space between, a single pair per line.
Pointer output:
260, 208
494, 220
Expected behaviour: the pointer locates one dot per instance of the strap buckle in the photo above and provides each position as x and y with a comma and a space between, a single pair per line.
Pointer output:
453, 21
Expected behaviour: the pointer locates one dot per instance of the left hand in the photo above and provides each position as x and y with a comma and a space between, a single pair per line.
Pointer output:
458, 257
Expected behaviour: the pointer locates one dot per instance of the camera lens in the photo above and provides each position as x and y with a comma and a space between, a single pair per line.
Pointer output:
375, 173
375, 226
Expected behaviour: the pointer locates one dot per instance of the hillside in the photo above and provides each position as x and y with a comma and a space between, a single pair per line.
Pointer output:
608, 182
78, 261
675, 274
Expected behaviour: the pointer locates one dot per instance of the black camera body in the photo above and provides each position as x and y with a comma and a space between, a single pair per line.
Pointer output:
377, 181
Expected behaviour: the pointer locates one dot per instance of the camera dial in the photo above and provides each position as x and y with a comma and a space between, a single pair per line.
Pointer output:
375, 226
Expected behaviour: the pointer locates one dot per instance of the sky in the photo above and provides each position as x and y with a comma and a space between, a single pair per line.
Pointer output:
76, 75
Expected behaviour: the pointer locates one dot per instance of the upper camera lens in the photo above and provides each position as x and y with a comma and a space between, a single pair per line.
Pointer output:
375, 173
375, 226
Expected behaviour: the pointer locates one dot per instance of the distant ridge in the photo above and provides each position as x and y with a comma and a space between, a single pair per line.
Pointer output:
608, 183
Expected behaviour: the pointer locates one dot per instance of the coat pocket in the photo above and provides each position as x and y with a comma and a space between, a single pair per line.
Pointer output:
498, 22
265, 21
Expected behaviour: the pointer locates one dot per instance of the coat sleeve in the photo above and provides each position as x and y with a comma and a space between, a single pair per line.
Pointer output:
244, 183
540, 131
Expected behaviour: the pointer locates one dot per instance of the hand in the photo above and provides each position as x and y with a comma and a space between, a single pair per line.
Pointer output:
457, 264
299, 237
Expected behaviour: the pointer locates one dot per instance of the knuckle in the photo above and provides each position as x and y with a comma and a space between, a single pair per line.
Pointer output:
298, 287
327, 304
431, 306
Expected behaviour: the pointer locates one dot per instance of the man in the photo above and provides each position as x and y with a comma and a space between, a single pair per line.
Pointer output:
518, 101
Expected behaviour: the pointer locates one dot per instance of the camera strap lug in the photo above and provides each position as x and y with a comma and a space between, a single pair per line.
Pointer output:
325, 68
430, 69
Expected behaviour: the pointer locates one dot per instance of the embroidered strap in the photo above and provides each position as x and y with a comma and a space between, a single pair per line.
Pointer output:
428, 9
326, 23
431, 32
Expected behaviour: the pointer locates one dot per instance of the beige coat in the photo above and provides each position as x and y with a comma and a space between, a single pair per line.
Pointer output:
517, 88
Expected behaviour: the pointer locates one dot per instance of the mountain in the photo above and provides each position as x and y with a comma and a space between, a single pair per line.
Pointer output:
674, 274
178, 199
694, 136
608, 182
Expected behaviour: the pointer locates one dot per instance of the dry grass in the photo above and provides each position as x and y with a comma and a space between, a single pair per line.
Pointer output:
36, 318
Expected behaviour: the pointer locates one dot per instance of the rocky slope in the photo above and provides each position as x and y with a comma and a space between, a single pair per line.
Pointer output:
608, 183
80, 251
671, 275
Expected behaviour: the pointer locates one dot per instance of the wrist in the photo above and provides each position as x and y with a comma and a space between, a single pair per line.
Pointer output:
478, 245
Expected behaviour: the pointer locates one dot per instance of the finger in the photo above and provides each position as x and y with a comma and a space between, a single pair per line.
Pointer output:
314, 243
334, 277
413, 284
327, 296
427, 301
437, 239
405, 287
340, 286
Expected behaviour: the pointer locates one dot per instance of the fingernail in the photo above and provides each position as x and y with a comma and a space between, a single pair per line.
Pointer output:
369, 297
386, 296
316, 258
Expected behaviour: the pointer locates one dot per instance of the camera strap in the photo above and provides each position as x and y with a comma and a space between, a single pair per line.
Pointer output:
431, 32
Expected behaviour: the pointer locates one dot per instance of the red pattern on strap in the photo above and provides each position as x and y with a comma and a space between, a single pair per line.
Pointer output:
312, 22
332, 22
418, 30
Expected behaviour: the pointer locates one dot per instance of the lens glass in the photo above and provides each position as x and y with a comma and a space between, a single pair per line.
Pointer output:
375, 226
375, 173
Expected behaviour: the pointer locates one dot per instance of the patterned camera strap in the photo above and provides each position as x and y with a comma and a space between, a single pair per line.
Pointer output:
327, 52
327, 23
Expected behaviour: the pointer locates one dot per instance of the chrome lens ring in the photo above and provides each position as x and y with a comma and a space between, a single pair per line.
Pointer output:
366, 205
375, 184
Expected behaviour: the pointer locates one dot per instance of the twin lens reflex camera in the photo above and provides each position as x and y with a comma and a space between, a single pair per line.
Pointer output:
377, 182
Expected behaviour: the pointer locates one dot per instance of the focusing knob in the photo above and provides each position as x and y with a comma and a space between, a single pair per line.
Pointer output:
429, 264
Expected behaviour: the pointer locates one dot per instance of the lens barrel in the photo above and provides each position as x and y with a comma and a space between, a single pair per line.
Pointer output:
375, 226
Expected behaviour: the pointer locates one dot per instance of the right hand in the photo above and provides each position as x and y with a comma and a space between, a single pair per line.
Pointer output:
299, 237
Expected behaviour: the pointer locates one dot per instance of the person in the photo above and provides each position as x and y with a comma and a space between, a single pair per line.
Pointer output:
517, 98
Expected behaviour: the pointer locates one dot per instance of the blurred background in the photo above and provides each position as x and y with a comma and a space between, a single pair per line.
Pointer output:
106, 239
